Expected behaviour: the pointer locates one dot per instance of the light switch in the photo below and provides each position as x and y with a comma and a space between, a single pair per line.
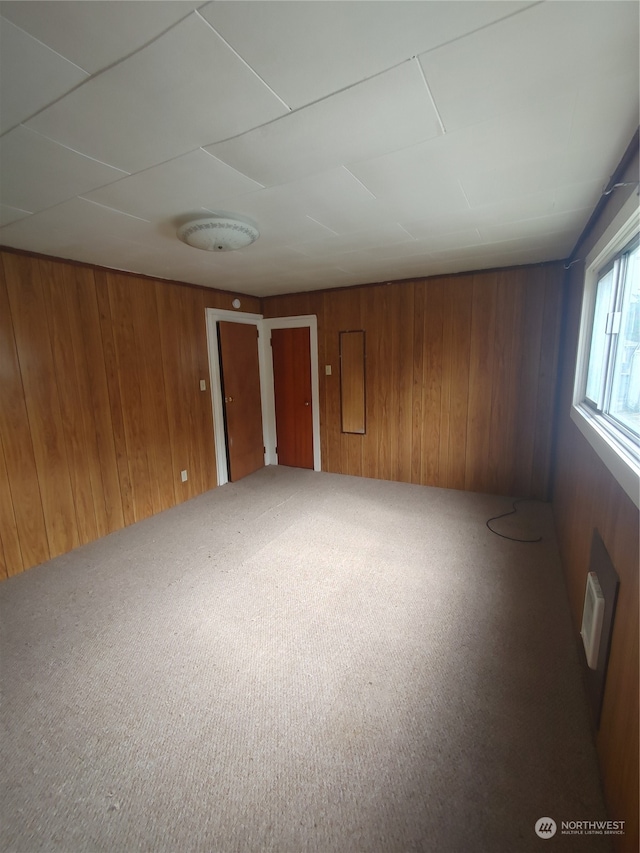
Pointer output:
203, 384
327, 369
183, 476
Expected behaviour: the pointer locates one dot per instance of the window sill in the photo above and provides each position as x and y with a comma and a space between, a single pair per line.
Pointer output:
624, 468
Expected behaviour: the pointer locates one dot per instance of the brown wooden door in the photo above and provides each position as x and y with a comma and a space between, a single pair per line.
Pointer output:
240, 374
292, 390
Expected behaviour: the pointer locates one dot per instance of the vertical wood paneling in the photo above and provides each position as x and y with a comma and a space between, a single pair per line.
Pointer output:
433, 378
351, 446
371, 322
332, 411
504, 389
460, 378
72, 405
460, 313
169, 315
383, 392
481, 379
153, 396
402, 318
92, 380
417, 420
547, 379
115, 398
129, 379
23, 528
35, 356
528, 381
4, 574
446, 355
100, 402
10, 553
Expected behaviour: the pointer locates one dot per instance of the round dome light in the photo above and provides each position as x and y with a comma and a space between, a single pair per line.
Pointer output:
218, 233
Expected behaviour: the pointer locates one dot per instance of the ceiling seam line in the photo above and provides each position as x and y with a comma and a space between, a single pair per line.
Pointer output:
483, 27
244, 61
49, 48
364, 186
295, 110
95, 75
125, 173
114, 209
431, 98
322, 225
229, 166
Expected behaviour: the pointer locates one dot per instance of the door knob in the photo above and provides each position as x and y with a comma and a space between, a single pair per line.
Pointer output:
228, 399
306, 402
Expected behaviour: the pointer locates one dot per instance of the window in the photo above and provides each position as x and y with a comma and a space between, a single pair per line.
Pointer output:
613, 372
606, 404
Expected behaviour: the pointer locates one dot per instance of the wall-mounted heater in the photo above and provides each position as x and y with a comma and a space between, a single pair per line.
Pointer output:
592, 617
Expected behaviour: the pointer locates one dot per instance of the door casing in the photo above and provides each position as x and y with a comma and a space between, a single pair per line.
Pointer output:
310, 321
266, 382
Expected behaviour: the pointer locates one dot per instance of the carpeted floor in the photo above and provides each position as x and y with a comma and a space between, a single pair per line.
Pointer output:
298, 662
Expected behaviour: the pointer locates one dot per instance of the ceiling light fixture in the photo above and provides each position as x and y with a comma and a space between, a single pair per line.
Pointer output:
222, 233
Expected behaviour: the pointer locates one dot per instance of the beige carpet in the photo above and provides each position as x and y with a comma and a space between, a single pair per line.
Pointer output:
298, 662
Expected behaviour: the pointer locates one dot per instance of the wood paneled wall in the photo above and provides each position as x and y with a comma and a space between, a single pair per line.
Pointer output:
100, 402
586, 497
460, 378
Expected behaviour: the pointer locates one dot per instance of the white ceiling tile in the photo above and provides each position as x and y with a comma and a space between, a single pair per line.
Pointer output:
548, 48
74, 222
521, 180
387, 269
390, 235
305, 51
435, 226
506, 141
11, 214
31, 75
303, 210
379, 115
97, 34
576, 196
279, 220
369, 261
414, 182
188, 183
184, 90
572, 221
482, 256
38, 173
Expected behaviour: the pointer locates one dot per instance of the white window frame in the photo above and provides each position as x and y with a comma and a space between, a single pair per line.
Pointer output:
597, 429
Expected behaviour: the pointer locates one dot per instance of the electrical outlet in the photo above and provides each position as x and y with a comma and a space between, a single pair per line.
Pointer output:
327, 370
203, 384
183, 476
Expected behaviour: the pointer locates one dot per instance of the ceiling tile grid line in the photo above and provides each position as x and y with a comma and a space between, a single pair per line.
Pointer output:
88, 74
243, 60
46, 47
369, 140
431, 98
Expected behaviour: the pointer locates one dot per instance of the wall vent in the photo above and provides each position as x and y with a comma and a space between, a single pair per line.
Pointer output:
592, 617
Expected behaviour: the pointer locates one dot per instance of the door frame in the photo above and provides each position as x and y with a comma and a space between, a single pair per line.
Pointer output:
212, 317
269, 404
267, 395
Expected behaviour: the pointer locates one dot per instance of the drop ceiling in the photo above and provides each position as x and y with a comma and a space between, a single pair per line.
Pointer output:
369, 140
